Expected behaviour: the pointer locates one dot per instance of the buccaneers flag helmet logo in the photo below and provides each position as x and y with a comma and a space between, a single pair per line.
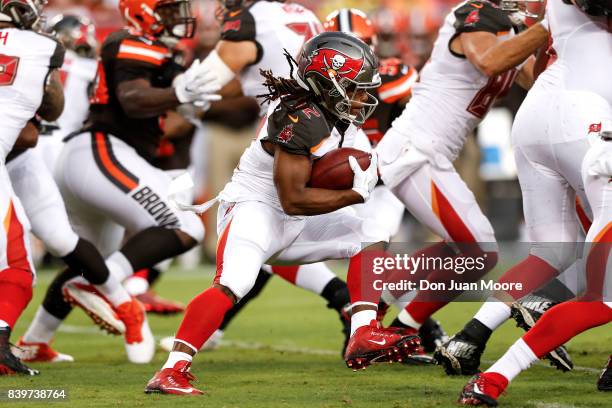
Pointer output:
286, 134
331, 63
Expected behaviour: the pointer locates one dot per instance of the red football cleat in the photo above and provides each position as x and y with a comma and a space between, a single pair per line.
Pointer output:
374, 344
153, 303
483, 389
419, 356
139, 341
175, 380
39, 353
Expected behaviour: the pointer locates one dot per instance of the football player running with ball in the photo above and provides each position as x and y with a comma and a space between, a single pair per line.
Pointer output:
257, 35
269, 214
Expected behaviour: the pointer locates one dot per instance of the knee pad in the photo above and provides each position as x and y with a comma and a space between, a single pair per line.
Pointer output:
239, 287
59, 242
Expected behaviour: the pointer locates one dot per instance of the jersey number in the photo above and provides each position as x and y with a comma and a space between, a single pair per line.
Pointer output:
497, 86
8, 69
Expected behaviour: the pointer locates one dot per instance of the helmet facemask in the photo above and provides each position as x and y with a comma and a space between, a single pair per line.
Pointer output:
24, 14
176, 17
526, 8
345, 94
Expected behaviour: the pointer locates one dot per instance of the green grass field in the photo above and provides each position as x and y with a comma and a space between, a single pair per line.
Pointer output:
284, 351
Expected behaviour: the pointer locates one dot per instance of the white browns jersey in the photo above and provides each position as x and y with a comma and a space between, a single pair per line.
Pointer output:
583, 48
78, 74
452, 95
26, 58
274, 27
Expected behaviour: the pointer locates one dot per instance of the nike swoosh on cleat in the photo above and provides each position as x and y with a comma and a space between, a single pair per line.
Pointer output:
476, 389
184, 390
380, 343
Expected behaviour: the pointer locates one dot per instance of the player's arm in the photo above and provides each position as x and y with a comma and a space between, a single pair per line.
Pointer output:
176, 126
28, 137
137, 64
291, 175
236, 50
52, 103
492, 57
526, 76
139, 99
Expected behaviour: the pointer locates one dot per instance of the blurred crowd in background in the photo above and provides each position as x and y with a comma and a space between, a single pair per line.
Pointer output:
406, 29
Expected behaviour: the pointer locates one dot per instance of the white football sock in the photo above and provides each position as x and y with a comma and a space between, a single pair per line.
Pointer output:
176, 356
493, 313
362, 318
519, 357
119, 266
114, 291
136, 285
43, 327
314, 277
405, 318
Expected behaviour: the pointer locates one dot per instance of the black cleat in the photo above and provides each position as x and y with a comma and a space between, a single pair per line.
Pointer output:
605, 379
432, 335
526, 312
459, 355
9, 364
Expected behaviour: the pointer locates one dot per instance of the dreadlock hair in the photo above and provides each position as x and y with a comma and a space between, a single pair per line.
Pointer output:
292, 96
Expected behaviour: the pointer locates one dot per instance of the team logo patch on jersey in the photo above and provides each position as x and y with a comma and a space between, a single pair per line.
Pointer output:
231, 26
595, 128
329, 62
472, 18
286, 134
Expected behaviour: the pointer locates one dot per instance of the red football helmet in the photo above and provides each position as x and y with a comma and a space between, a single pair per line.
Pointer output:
156, 17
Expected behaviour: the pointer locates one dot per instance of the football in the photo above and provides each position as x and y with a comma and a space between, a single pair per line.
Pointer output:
332, 171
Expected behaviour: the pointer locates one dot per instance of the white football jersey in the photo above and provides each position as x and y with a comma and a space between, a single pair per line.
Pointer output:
452, 95
274, 27
583, 48
78, 74
26, 59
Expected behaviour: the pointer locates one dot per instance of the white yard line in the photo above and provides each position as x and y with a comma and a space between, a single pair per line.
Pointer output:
245, 345
542, 404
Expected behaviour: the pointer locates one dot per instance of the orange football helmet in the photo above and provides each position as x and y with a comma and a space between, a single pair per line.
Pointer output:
352, 21
156, 17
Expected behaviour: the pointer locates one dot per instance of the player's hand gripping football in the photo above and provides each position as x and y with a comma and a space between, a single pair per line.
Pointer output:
364, 181
197, 85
